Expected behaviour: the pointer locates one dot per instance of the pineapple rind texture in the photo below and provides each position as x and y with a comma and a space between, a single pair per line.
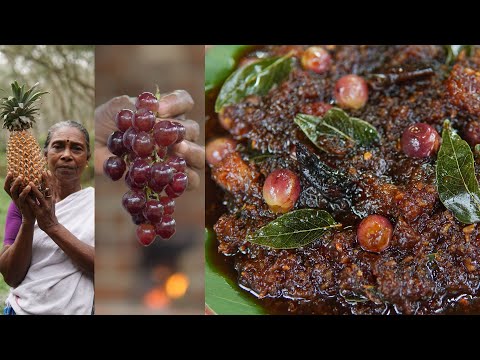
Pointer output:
24, 157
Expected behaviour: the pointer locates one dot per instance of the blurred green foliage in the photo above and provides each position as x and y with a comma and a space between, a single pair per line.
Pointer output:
65, 71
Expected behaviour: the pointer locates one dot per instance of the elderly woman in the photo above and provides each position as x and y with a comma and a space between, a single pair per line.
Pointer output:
48, 252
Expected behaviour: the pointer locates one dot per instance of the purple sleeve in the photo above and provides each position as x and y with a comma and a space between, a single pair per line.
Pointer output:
12, 224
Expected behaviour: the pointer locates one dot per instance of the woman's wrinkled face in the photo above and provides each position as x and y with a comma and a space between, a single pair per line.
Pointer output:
67, 154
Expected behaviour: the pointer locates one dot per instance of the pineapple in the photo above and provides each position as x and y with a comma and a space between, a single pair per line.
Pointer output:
23, 152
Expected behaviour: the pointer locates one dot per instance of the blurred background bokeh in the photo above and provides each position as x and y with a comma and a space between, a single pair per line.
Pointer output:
168, 276
67, 73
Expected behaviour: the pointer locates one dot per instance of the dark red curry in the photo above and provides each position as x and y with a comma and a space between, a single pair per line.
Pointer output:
428, 262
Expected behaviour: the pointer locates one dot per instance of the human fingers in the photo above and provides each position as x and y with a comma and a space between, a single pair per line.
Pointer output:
113, 106
31, 201
49, 188
192, 129
105, 117
180, 117
15, 187
38, 194
175, 103
24, 193
193, 179
101, 154
193, 154
47, 177
8, 183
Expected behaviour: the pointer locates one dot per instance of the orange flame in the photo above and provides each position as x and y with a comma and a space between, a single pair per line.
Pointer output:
156, 298
176, 285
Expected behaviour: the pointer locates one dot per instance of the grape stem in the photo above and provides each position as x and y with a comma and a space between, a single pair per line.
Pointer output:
378, 81
151, 194
157, 93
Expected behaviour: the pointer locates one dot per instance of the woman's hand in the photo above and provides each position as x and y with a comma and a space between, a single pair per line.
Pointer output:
173, 107
13, 189
43, 205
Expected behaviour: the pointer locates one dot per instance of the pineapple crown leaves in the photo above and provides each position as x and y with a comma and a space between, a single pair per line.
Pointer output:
17, 110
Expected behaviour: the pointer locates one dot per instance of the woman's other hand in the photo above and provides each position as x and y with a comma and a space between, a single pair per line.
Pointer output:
43, 204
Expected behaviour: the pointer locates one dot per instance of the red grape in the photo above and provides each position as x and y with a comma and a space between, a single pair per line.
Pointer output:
181, 132
130, 183
129, 137
161, 151
177, 186
374, 233
351, 91
316, 59
115, 143
147, 100
169, 191
140, 172
153, 211
168, 205
124, 119
161, 174
165, 133
281, 190
145, 234
114, 167
158, 188
134, 201
217, 149
144, 120
176, 162
420, 141
166, 228
141, 145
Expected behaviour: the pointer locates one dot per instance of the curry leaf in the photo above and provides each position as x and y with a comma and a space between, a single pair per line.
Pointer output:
220, 61
456, 182
454, 50
431, 257
222, 295
336, 124
254, 79
294, 229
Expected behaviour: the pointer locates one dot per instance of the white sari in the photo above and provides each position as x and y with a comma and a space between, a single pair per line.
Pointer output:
53, 284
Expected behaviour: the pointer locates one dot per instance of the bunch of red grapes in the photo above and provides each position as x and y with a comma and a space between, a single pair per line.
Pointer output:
154, 178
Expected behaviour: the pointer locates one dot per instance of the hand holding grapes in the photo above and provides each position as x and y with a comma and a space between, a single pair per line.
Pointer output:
153, 155
172, 106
